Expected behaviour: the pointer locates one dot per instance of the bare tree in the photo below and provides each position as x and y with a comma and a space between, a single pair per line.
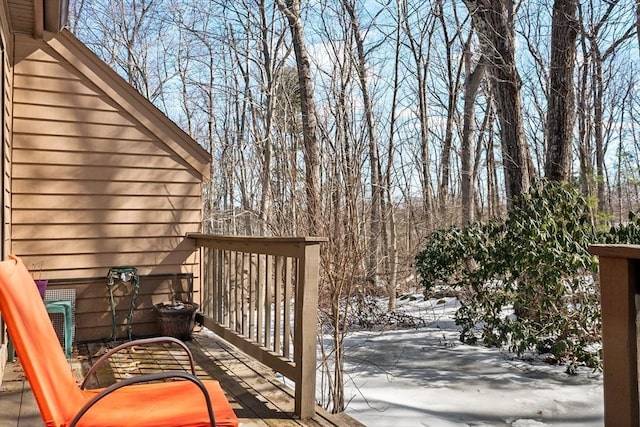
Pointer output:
372, 136
128, 35
534, 67
419, 31
390, 246
471, 86
560, 110
494, 22
638, 21
453, 77
594, 22
291, 10
271, 41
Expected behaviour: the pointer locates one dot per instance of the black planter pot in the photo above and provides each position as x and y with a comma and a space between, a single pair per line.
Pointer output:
176, 320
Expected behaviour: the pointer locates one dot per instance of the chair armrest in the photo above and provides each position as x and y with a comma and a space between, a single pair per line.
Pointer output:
140, 342
143, 379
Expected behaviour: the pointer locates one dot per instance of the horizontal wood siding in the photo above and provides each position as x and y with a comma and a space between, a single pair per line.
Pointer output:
94, 188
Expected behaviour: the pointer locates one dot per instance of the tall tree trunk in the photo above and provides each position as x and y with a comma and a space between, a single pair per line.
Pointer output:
638, 21
487, 122
291, 9
391, 232
265, 141
471, 85
374, 158
560, 105
585, 148
453, 86
598, 56
494, 23
338, 354
417, 42
493, 209
598, 117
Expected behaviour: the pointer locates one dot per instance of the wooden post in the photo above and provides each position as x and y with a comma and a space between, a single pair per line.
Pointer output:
619, 267
305, 340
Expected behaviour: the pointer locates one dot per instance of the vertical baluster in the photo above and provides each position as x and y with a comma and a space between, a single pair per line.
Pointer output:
205, 282
277, 306
226, 296
260, 300
217, 280
288, 309
267, 300
253, 264
243, 294
236, 291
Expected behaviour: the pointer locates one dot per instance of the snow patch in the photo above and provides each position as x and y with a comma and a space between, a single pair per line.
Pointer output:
426, 377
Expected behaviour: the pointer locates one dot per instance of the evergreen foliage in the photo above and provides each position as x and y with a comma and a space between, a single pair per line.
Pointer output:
527, 281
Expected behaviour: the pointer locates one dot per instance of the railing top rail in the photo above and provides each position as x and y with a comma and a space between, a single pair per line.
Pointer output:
222, 238
616, 251
283, 246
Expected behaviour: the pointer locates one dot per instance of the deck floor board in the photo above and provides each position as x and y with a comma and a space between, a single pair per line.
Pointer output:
257, 396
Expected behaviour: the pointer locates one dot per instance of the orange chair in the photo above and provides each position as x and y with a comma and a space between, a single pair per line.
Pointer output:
131, 402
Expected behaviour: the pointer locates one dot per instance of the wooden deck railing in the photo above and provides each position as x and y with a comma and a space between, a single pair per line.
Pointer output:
620, 287
261, 295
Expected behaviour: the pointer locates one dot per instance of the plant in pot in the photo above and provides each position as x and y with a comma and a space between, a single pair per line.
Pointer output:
175, 318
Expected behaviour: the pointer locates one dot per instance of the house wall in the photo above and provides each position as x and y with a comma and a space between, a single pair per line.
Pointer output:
97, 184
5, 163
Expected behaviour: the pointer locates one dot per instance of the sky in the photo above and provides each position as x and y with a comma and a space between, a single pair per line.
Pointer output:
426, 377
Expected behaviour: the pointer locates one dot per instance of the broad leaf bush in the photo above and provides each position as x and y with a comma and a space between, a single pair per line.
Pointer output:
528, 280
628, 232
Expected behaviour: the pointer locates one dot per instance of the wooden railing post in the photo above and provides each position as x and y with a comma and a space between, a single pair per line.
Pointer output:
305, 339
619, 277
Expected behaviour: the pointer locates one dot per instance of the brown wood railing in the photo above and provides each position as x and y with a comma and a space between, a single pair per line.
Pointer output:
620, 287
261, 295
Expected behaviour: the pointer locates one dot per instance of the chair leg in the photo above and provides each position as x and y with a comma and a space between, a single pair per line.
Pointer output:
10, 350
68, 321
64, 308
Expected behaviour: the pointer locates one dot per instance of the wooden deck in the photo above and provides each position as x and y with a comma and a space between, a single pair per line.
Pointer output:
256, 395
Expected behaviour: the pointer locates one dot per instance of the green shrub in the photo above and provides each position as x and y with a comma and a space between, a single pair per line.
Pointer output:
623, 233
534, 263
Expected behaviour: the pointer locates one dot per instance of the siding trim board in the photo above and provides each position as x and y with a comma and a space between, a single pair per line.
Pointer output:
102, 173
33, 217
75, 158
117, 188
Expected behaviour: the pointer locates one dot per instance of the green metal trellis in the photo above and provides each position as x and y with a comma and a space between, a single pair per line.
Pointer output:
116, 278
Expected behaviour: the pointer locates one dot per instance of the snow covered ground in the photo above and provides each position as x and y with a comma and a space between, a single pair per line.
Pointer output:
426, 377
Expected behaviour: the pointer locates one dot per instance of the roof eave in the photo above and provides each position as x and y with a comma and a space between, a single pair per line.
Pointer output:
56, 13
